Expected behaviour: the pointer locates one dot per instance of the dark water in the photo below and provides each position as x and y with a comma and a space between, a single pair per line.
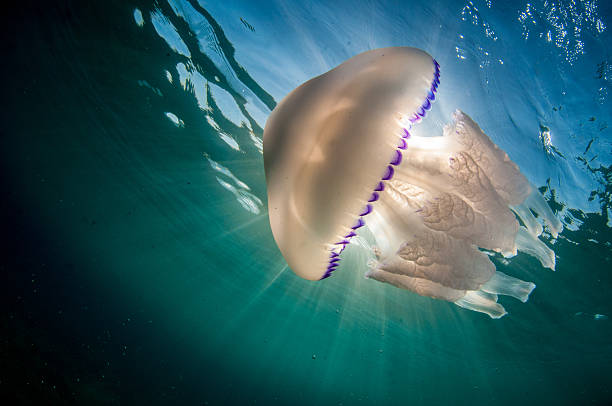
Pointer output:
137, 262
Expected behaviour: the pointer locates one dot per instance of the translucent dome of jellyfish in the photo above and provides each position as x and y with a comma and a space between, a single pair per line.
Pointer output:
342, 162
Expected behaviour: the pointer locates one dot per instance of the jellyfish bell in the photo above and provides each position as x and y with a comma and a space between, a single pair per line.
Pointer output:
340, 157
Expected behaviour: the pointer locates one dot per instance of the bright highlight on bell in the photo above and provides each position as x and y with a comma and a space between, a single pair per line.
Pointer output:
340, 158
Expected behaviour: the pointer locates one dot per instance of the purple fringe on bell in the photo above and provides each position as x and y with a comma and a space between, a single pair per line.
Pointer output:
334, 261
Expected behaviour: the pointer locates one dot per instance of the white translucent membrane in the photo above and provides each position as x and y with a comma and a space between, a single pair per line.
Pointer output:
452, 195
327, 144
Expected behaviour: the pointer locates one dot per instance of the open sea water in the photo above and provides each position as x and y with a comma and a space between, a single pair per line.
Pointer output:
137, 262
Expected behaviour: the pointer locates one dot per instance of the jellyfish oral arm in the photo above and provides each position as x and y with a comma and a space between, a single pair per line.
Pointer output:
442, 208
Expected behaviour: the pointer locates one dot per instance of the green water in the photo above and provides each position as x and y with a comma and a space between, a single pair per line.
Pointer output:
130, 276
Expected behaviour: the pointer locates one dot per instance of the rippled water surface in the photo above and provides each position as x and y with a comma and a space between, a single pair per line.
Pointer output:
138, 265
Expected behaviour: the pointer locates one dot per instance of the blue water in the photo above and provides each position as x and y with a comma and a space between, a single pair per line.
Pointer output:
138, 263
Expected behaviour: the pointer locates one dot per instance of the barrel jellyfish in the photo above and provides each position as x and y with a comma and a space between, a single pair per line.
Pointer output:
342, 160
